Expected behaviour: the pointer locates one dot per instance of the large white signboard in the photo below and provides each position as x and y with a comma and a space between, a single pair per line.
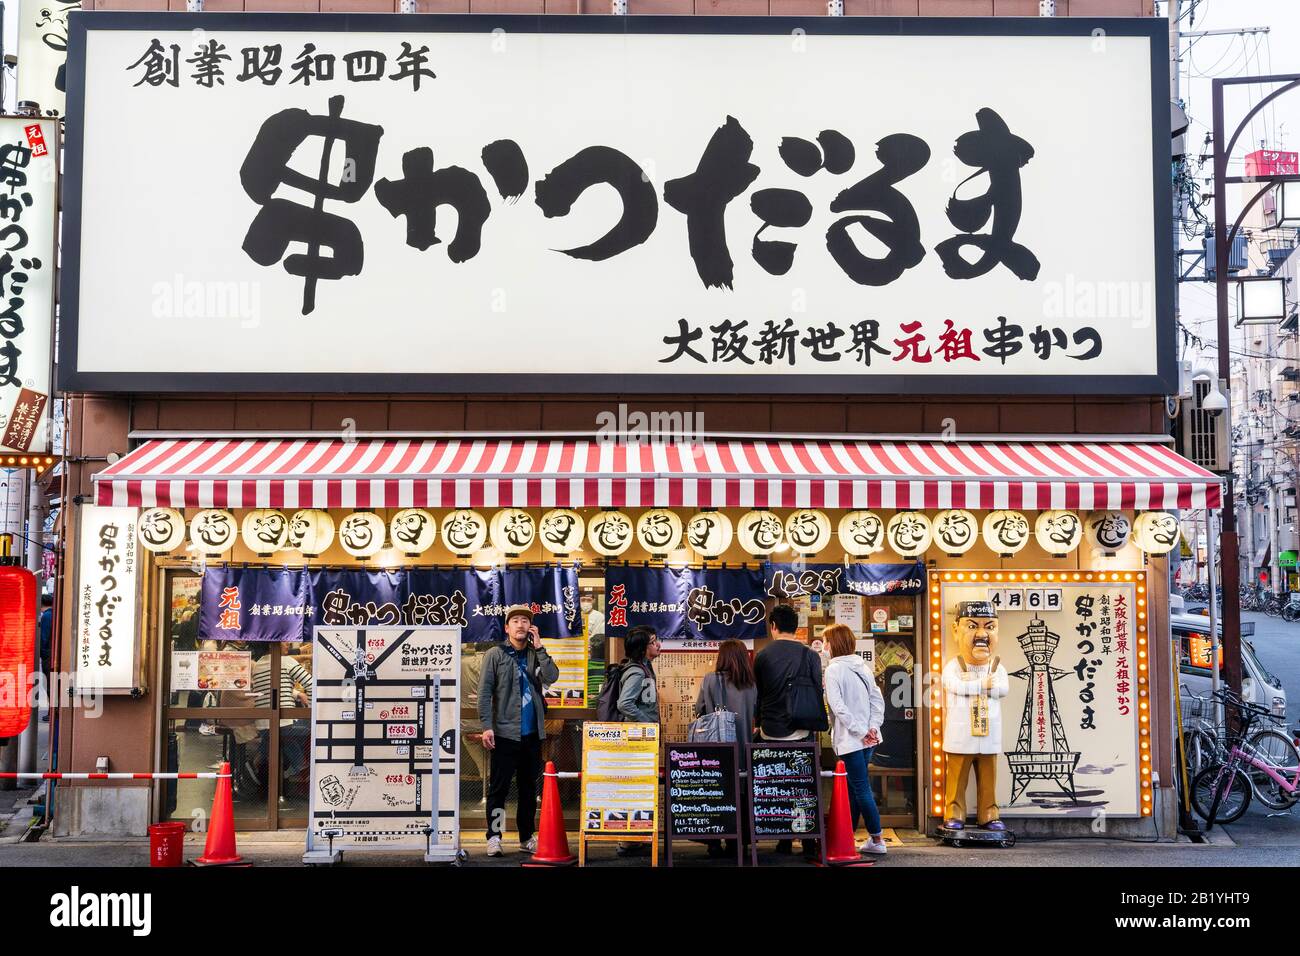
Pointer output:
587, 202
379, 751
28, 211
1071, 719
108, 565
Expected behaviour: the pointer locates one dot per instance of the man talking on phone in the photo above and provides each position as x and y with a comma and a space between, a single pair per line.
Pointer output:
514, 723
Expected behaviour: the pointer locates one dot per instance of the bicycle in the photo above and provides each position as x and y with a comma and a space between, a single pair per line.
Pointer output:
1221, 793
1204, 746
1291, 610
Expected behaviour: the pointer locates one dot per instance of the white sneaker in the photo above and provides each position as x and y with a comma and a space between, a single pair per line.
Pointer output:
530, 846
494, 846
874, 847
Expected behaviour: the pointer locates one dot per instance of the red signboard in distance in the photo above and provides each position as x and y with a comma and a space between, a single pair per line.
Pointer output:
1272, 162
17, 647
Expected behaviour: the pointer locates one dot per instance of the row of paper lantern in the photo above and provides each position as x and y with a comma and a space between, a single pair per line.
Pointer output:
659, 531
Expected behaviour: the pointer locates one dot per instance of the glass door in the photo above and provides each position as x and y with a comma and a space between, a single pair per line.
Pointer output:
221, 706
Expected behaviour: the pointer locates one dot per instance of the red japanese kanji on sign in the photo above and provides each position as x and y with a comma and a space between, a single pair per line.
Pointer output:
36, 139
229, 607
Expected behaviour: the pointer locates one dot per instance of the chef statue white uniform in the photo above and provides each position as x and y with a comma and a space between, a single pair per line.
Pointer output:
974, 683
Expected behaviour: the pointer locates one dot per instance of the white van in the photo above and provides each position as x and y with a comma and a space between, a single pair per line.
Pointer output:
1192, 632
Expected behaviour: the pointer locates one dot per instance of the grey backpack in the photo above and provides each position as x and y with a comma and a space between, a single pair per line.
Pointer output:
716, 725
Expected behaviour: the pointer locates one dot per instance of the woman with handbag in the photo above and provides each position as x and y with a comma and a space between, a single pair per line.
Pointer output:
731, 693
857, 709
730, 688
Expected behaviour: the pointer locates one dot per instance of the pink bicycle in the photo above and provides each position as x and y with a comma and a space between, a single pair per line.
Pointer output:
1222, 792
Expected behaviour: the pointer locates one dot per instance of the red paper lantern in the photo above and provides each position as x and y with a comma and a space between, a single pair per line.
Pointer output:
17, 648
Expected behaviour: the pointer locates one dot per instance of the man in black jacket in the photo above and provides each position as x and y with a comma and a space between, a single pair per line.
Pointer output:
514, 723
774, 667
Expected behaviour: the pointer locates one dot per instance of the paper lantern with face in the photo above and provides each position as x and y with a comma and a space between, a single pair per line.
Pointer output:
909, 533
161, 529
513, 531
1058, 532
862, 534
659, 531
1108, 531
974, 683
412, 531
561, 531
760, 532
265, 531
311, 531
362, 534
1005, 532
1156, 532
610, 533
213, 531
955, 532
464, 531
808, 531
709, 533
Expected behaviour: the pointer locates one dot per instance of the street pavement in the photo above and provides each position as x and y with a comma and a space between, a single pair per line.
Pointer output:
1260, 838
1277, 645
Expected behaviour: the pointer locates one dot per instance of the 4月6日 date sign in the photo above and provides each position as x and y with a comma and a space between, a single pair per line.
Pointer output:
812, 205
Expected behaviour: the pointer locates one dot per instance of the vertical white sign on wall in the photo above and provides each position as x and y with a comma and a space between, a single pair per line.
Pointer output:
28, 211
43, 52
108, 571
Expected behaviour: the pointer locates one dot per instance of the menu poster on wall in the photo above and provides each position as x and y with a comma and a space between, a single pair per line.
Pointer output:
212, 670
1070, 722
620, 779
703, 787
848, 611
106, 650
678, 676
786, 790
570, 656
384, 764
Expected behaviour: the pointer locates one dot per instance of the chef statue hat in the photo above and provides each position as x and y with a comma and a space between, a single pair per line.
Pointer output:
976, 609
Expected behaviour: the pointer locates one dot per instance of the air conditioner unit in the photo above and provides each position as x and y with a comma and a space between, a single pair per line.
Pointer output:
1203, 437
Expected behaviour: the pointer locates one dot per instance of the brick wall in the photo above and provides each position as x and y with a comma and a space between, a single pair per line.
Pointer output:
577, 413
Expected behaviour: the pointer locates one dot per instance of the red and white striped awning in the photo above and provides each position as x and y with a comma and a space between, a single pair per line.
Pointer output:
540, 473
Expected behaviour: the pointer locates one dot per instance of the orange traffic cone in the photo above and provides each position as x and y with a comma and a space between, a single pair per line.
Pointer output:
220, 847
552, 841
840, 848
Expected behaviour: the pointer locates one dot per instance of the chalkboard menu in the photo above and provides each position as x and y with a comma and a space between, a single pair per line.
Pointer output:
785, 786
703, 788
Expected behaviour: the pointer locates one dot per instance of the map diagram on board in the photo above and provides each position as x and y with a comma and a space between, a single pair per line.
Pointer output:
374, 736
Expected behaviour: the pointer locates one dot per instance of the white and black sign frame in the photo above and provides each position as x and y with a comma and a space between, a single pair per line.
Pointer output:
1156, 377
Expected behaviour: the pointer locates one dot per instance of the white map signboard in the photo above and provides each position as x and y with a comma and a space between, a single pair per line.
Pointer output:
383, 756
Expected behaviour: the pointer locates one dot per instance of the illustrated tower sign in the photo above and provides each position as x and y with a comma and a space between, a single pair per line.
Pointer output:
1042, 752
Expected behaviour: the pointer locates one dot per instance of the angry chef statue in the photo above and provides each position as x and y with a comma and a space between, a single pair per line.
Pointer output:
974, 683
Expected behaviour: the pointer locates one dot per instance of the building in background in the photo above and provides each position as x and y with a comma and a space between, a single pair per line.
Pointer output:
1057, 463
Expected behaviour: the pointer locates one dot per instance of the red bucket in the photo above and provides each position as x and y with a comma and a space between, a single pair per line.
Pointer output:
166, 844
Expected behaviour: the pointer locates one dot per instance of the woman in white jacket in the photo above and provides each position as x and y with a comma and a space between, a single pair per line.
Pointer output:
857, 709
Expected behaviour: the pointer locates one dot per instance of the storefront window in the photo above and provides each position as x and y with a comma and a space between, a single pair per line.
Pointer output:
222, 705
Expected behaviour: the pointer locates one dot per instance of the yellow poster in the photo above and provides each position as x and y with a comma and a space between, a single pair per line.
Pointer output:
620, 778
570, 656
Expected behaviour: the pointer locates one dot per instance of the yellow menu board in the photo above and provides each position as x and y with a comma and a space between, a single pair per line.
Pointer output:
570, 656
620, 780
